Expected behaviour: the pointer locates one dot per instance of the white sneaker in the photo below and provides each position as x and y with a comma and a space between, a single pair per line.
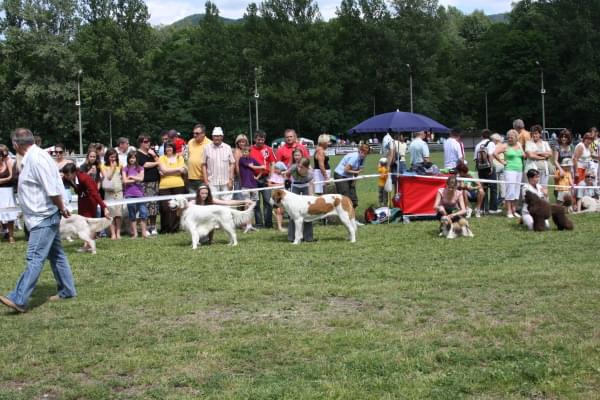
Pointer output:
517, 215
495, 211
469, 212
477, 213
153, 232
510, 216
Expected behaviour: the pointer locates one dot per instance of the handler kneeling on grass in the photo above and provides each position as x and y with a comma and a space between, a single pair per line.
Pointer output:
349, 167
40, 190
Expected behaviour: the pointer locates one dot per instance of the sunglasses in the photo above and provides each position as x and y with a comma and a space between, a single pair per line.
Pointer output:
590, 176
145, 141
58, 152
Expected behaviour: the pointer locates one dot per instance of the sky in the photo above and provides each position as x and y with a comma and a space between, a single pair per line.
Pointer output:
168, 11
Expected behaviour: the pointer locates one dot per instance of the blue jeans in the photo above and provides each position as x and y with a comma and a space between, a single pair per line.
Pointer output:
44, 243
267, 222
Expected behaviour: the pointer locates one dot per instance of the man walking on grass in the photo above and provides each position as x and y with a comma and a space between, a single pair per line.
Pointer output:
40, 190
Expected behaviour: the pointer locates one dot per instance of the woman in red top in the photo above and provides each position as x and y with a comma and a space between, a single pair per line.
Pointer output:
88, 197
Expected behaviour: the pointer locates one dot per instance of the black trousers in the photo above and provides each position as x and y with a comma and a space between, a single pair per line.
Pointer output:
490, 201
169, 221
346, 188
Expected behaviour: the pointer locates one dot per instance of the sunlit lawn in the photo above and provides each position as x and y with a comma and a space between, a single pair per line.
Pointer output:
400, 314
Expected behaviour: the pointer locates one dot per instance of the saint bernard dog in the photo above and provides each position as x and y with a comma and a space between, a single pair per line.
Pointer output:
310, 208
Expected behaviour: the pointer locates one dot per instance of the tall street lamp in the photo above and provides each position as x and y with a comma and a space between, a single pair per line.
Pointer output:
411, 86
78, 104
543, 93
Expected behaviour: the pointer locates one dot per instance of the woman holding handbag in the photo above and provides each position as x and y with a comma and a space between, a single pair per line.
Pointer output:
113, 190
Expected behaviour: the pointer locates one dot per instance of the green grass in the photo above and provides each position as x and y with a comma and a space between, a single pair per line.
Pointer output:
402, 313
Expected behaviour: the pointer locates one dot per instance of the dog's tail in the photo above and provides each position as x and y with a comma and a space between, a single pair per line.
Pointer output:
98, 224
241, 217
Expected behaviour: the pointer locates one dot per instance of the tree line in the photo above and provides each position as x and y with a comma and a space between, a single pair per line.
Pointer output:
312, 75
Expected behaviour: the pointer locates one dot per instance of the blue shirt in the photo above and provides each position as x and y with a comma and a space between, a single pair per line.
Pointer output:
418, 149
352, 159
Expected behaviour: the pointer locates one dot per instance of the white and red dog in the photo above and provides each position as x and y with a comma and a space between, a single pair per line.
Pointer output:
310, 208
201, 220
84, 228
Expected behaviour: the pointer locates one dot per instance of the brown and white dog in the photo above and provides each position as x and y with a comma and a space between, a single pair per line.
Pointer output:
84, 228
310, 208
455, 229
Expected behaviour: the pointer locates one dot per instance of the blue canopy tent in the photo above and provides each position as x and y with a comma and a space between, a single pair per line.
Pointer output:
398, 121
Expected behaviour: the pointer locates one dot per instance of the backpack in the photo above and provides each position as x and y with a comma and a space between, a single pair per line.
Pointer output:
482, 160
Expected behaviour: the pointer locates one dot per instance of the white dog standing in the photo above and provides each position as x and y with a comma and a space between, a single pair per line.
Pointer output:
310, 208
84, 228
201, 220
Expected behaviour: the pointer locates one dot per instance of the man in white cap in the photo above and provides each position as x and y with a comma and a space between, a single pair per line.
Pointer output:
218, 165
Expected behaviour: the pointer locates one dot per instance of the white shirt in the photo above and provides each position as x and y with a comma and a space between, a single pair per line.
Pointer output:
123, 156
452, 152
385, 144
491, 148
39, 179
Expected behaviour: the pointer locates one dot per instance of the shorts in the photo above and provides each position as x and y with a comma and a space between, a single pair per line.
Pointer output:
472, 194
137, 208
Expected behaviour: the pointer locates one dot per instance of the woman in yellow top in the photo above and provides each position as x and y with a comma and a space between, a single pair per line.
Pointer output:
113, 189
172, 169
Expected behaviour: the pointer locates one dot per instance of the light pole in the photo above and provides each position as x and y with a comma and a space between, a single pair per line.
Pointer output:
411, 86
543, 93
256, 95
78, 104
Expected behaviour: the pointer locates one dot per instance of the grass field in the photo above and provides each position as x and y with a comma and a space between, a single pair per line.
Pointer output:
400, 314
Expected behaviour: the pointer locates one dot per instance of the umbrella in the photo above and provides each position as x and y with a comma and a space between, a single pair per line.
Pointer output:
398, 121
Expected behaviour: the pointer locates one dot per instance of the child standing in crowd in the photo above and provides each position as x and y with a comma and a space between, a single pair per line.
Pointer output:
382, 170
248, 168
133, 176
277, 179
563, 179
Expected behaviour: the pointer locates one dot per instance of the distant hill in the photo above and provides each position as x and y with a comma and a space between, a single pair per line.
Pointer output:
499, 17
195, 19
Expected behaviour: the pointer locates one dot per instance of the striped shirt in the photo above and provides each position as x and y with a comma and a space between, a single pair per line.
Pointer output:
218, 160
39, 179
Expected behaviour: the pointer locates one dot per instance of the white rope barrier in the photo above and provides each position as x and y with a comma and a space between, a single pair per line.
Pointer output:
134, 200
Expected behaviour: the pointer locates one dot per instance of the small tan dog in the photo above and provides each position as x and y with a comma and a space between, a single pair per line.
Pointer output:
455, 229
